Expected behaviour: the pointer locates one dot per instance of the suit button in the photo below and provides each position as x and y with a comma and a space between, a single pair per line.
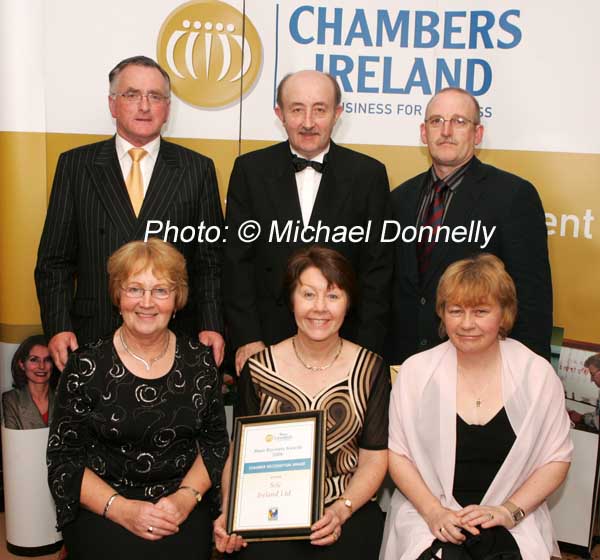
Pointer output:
423, 342
423, 301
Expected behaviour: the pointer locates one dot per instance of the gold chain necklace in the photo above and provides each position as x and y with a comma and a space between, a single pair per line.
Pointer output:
317, 368
152, 361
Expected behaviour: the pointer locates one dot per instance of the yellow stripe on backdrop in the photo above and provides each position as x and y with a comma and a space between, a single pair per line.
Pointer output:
28, 162
22, 213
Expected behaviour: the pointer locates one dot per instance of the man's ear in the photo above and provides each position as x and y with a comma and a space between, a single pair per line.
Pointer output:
479, 134
112, 105
279, 113
338, 111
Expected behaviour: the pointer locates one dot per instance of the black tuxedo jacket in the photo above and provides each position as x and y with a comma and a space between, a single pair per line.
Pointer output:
496, 198
90, 216
353, 191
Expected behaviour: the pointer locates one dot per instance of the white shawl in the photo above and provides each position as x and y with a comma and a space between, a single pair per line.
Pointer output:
423, 428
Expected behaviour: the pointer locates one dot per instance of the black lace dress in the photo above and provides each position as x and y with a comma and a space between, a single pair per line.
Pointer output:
141, 437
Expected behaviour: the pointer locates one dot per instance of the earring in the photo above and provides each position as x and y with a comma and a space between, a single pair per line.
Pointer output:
173, 317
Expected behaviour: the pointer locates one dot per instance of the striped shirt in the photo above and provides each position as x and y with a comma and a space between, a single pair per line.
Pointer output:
452, 181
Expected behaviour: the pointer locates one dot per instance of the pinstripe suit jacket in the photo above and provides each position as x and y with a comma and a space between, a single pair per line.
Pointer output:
90, 216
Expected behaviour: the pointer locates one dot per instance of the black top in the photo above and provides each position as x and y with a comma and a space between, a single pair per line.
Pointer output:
480, 452
140, 436
356, 407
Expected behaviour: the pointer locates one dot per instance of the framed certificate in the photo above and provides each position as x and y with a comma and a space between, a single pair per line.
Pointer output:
277, 475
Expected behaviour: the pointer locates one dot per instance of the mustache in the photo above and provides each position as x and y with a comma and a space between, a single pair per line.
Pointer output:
446, 141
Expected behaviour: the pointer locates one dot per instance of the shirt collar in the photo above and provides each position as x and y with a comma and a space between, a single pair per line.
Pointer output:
123, 147
318, 157
454, 179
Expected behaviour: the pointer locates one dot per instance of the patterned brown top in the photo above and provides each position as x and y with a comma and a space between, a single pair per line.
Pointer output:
356, 406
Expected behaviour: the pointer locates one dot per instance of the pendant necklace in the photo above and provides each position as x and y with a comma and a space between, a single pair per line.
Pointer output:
478, 399
152, 361
317, 368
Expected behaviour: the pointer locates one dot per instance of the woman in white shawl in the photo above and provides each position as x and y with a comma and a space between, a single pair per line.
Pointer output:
479, 434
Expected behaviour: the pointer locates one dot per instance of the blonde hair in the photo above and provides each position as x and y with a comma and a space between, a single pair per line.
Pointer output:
476, 280
156, 255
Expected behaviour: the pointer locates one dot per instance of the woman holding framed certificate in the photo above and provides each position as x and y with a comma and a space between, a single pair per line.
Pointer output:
318, 370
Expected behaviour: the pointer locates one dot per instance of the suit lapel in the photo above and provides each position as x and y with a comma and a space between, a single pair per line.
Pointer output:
408, 218
164, 183
405, 211
281, 188
109, 183
334, 188
459, 213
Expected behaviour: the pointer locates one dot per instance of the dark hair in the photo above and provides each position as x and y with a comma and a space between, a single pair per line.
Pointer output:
476, 116
334, 266
21, 354
337, 92
139, 60
593, 360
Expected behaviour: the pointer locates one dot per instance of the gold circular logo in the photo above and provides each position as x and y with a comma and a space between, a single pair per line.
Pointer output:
210, 51
269, 438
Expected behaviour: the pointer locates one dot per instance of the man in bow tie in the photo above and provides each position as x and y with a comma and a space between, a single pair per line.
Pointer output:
104, 195
307, 181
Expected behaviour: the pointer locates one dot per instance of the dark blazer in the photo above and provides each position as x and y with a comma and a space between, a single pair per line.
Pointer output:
90, 216
497, 198
353, 191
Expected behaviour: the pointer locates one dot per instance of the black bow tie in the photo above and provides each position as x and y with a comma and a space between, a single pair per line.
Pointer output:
301, 164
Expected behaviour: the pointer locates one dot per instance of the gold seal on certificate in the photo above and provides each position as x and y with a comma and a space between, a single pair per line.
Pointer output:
277, 475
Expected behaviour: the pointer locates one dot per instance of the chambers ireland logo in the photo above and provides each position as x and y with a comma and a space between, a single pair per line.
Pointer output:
211, 52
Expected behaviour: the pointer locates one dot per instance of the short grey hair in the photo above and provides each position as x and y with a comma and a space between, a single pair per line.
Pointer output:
139, 60
477, 119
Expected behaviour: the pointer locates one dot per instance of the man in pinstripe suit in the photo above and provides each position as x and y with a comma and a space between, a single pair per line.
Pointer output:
91, 214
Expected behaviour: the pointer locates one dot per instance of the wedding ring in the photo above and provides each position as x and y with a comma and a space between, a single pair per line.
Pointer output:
442, 529
150, 529
491, 516
335, 535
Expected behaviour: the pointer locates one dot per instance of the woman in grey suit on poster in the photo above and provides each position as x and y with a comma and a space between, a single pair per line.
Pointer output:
29, 405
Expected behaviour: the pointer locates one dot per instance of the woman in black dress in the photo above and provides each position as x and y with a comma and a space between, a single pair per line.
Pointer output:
317, 369
479, 433
138, 435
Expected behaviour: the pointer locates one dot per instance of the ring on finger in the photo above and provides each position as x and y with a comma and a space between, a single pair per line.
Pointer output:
442, 529
335, 535
150, 529
491, 516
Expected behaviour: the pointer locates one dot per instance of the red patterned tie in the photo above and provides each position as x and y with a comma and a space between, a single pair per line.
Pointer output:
433, 217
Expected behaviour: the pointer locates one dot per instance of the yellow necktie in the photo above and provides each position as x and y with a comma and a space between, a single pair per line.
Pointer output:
134, 182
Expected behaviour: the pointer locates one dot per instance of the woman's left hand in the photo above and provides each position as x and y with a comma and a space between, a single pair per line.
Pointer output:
486, 516
178, 504
329, 528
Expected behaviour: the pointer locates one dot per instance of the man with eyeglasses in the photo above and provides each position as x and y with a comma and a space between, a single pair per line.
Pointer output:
103, 196
464, 195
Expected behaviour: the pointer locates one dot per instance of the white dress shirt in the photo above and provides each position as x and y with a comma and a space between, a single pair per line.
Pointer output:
307, 182
146, 164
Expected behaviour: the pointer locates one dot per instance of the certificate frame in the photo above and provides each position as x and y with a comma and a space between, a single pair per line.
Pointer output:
254, 514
